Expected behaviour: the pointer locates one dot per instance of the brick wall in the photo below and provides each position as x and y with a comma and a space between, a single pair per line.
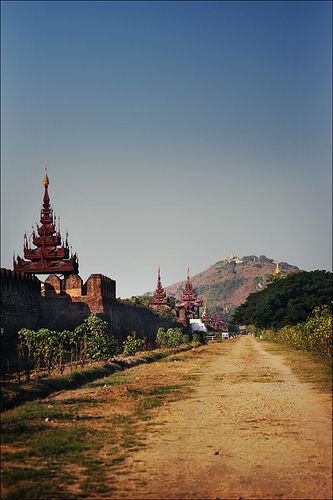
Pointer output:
68, 302
20, 301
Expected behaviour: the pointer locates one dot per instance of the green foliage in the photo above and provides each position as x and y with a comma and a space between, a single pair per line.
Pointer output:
164, 312
199, 337
48, 348
132, 346
287, 301
313, 335
97, 343
173, 337
143, 300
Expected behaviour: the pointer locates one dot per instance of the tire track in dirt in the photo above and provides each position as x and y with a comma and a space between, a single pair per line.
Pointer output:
250, 430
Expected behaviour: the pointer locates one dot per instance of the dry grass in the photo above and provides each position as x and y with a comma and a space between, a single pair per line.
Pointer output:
89, 431
308, 367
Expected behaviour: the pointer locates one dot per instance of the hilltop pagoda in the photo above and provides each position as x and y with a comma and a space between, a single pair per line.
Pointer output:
50, 256
159, 299
277, 270
189, 304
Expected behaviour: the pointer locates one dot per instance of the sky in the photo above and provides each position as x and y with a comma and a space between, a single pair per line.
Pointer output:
175, 133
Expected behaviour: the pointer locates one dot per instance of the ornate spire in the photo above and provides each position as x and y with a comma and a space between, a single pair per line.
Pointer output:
50, 256
159, 298
189, 301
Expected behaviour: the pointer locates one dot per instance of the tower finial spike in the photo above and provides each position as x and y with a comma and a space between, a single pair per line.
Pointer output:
46, 181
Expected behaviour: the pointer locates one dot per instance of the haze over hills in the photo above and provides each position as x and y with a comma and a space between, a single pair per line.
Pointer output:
226, 284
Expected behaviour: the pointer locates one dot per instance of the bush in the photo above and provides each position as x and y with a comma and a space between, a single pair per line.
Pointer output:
98, 344
132, 346
313, 335
173, 337
199, 337
89, 341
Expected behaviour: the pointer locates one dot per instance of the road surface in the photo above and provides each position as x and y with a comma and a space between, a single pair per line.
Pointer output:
251, 429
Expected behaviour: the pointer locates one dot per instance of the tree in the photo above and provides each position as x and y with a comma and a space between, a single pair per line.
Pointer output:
287, 301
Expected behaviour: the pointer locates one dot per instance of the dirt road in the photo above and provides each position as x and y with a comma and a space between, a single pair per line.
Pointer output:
251, 429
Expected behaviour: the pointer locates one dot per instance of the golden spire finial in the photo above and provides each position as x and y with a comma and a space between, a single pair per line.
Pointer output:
46, 181
277, 268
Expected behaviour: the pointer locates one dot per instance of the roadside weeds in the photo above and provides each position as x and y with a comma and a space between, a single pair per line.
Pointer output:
62, 446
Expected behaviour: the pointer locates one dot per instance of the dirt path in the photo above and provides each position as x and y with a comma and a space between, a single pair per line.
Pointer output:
250, 430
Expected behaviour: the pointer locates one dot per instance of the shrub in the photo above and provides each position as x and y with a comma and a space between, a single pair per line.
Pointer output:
98, 344
173, 337
89, 341
132, 346
313, 335
199, 337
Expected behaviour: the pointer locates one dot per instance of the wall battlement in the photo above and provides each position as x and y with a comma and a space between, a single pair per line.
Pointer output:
17, 282
96, 292
67, 302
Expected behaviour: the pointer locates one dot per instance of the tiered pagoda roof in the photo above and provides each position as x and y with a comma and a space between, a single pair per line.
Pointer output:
50, 256
218, 322
159, 298
189, 299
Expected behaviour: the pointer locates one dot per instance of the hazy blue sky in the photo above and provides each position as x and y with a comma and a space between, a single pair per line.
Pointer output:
174, 132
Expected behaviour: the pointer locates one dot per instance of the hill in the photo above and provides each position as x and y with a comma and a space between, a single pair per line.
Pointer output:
226, 284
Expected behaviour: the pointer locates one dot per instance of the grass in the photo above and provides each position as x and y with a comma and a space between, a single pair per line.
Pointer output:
119, 378
164, 389
309, 367
15, 394
69, 459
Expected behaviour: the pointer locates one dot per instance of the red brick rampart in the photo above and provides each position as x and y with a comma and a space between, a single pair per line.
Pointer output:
62, 304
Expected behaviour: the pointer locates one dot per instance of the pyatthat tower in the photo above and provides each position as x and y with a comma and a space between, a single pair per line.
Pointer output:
50, 256
159, 299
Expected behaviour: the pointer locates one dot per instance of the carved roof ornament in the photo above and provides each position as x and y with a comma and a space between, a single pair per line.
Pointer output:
50, 256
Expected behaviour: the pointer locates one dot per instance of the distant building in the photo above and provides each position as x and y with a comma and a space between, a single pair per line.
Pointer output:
188, 306
159, 298
196, 325
234, 259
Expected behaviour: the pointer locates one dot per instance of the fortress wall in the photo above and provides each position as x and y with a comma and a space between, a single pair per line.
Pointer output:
127, 317
20, 301
68, 302
61, 313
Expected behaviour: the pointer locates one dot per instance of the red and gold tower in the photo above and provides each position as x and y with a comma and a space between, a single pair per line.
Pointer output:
159, 299
189, 304
50, 255
217, 322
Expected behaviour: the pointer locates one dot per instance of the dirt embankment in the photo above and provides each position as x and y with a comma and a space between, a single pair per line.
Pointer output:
250, 430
